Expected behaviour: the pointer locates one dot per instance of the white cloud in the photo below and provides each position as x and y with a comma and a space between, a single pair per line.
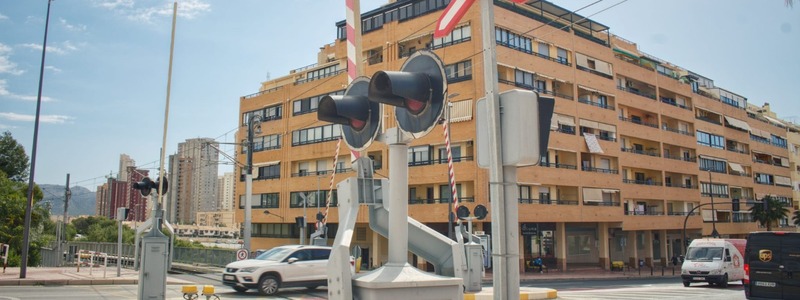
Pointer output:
3, 17
5, 93
51, 119
71, 27
6, 65
188, 9
52, 69
65, 47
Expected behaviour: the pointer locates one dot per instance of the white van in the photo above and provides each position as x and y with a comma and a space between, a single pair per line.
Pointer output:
716, 261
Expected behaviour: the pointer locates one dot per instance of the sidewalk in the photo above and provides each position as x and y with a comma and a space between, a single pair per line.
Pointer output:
71, 276
590, 274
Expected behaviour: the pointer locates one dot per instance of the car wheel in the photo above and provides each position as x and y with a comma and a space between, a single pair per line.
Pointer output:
724, 282
686, 283
240, 289
268, 285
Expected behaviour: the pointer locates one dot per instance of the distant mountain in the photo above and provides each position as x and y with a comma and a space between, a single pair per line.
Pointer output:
82, 201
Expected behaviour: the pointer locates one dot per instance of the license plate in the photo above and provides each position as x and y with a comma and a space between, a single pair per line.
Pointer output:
765, 283
699, 278
229, 277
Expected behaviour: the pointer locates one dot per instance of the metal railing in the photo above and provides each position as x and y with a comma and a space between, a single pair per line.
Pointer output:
642, 182
599, 170
636, 92
601, 74
638, 122
597, 104
653, 153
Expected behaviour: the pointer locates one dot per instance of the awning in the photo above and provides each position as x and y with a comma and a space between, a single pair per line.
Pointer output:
784, 161
565, 120
610, 191
607, 127
761, 133
708, 110
708, 215
781, 180
591, 142
544, 76
266, 164
590, 124
592, 195
736, 167
737, 123
588, 88
626, 53
773, 120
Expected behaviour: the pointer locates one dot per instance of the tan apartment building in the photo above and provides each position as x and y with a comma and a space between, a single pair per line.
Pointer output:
636, 143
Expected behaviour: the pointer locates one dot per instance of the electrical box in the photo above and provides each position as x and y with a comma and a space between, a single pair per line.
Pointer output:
153, 274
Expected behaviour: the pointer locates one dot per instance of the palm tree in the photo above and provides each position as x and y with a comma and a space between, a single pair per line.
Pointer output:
796, 217
774, 212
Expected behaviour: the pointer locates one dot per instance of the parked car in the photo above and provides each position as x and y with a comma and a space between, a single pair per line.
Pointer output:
280, 267
772, 265
716, 261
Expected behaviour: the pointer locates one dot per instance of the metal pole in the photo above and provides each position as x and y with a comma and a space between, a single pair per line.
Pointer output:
303, 226
505, 252
398, 199
119, 246
248, 198
27, 229
714, 232
62, 229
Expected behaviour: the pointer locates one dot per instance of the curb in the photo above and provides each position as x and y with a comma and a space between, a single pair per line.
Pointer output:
540, 293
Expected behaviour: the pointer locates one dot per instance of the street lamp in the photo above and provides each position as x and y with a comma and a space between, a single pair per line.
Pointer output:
714, 232
266, 212
254, 120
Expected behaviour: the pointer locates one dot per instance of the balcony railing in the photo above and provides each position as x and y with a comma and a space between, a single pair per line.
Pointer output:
438, 200
602, 203
681, 213
531, 88
637, 121
672, 102
637, 63
678, 131
415, 163
642, 182
734, 149
678, 157
636, 92
337, 72
599, 170
598, 104
653, 153
558, 165
678, 185
644, 213
566, 130
601, 74
709, 120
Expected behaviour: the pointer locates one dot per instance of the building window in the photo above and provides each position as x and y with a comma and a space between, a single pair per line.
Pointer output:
269, 172
420, 155
714, 190
459, 35
523, 79
455, 151
504, 37
779, 141
710, 140
762, 178
263, 143
315, 135
460, 71
267, 114
713, 165
311, 198
268, 200
309, 105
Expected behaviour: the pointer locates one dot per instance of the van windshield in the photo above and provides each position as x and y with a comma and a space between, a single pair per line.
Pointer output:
704, 253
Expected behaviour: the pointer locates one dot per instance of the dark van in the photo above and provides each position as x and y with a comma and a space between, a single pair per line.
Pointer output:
772, 265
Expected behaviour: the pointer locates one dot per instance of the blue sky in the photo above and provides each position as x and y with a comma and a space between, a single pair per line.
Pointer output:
106, 67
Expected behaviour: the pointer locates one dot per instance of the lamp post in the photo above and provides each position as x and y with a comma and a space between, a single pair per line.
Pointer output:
254, 120
714, 232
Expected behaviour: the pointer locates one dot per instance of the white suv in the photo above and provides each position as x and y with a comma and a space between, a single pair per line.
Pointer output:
284, 266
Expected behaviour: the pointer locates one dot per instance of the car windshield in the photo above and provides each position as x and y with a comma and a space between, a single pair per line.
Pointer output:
704, 253
275, 254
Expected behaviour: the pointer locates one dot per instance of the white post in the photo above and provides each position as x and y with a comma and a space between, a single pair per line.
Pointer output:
398, 199
248, 205
119, 248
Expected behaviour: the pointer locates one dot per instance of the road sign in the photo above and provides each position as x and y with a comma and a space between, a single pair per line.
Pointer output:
242, 254
450, 17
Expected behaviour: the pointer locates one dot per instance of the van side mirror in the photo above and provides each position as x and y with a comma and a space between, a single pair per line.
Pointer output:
728, 258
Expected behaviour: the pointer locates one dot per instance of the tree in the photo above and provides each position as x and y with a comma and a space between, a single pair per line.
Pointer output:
773, 213
13, 200
796, 217
13, 159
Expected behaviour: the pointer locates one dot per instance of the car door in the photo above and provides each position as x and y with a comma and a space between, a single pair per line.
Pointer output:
790, 253
764, 256
301, 269
320, 264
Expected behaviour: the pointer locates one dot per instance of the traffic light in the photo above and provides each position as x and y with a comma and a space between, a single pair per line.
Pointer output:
301, 222
361, 117
417, 91
147, 184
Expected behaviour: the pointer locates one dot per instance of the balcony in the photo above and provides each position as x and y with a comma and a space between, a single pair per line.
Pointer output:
678, 131
642, 182
548, 201
671, 101
423, 162
637, 92
678, 185
709, 120
653, 153
599, 170
558, 166
601, 74
638, 121
439, 200
644, 213
600, 203
597, 104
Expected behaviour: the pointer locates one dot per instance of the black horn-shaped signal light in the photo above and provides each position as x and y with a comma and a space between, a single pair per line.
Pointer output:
360, 117
417, 91
146, 185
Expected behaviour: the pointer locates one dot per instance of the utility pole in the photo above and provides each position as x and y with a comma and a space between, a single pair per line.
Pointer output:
62, 229
714, 232
248, 198
27, 229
